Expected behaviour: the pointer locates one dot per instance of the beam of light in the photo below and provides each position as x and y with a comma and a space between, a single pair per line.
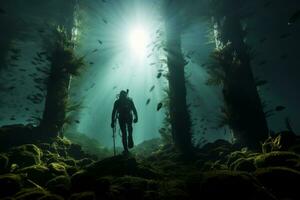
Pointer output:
138, 39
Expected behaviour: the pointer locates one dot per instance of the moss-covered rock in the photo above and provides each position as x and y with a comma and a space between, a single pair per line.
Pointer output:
69, 161
31, 193
75, 151
131, 187
226, 185
83, 196
58, 169
243, 164
234, 156
84, 162
51, 197
25, 155
71, 170
120, 166
281, 181
4, 164
59, 185
16, 135
9, 184
295, 148
39, 174
82, 181
278, 158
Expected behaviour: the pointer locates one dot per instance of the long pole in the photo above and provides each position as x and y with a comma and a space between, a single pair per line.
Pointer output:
114, 141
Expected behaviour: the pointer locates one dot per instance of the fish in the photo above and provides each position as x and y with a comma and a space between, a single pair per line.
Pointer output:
2, 11
148, 101
261, 82
280, 108
285, 35
91, 63
41, 30
159, 106
14, 57
152, 88
15, 51
77, 121
294, 18
284, 56
267, 4
262, 62
262, 40
105, 21
95, 50
100, 42
159, 75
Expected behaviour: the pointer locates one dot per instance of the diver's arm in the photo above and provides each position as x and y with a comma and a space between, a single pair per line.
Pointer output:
134, 111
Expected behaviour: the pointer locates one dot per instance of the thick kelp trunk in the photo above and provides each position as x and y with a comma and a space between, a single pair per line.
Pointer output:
63, 64
243, 106
179, 115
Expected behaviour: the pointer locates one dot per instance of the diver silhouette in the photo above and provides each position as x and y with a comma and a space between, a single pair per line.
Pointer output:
122, 110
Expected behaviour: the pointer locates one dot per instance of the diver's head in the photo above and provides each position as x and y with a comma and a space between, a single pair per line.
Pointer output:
123, 94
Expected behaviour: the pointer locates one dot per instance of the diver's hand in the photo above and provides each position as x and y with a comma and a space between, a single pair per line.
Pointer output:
135, 120
112, 125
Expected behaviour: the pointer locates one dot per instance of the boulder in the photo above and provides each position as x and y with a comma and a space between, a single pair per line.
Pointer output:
10, 184
58, 169
4, 164
243, 164
281, 181
31, 193
216, 185
60, 185
25, 155
83, 196
278, 158
18, 134
120, 166
39, 174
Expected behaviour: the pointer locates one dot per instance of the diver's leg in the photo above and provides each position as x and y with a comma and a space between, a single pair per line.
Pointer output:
122, 124
130, 130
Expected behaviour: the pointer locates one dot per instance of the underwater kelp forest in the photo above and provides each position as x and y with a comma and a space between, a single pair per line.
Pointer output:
149, 99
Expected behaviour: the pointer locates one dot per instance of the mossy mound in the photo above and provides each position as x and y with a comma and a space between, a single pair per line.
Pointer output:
10, 184
120, 166
25, 155
60, 185
226, 185
59, 169
281, 181
83, 196
243, 164
39, 174
278, 158
4, 164
36, 193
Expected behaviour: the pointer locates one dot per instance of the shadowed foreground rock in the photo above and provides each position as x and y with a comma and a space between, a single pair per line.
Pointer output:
59, 169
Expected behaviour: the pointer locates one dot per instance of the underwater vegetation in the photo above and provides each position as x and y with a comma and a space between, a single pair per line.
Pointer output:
47, 57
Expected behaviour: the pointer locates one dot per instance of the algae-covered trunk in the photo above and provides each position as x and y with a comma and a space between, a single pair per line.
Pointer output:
241, 98
56, 100
179, 116
62, 62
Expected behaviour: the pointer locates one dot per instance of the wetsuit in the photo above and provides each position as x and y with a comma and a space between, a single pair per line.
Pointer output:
123, 109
